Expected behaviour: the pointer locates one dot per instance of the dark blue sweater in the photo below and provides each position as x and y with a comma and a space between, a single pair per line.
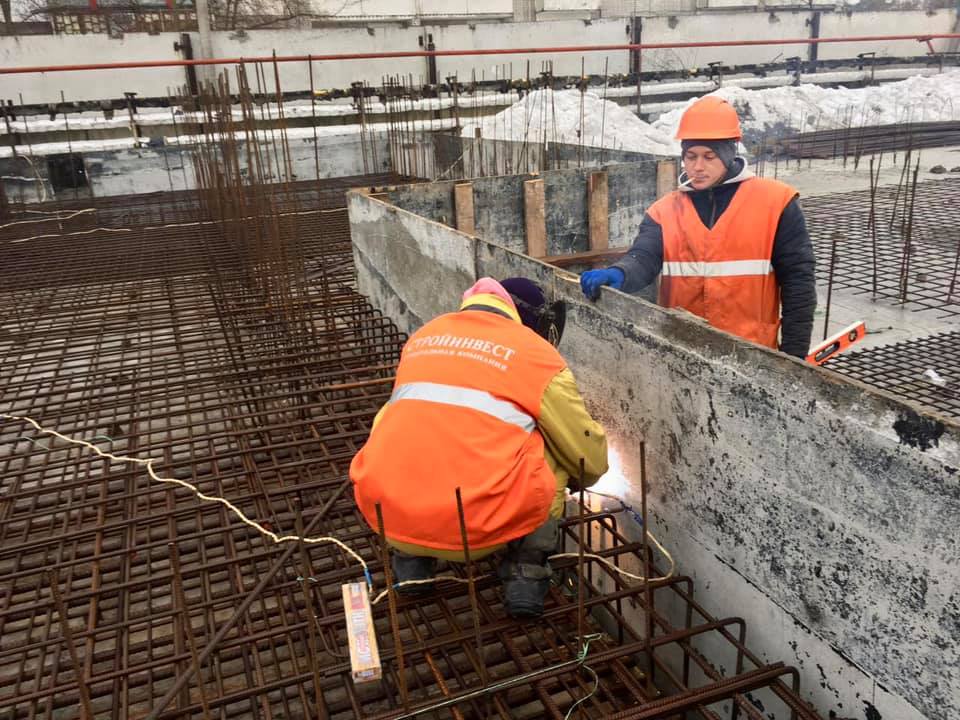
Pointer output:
792, 260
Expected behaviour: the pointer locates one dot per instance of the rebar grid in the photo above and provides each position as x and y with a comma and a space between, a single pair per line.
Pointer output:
220, 335
909, 254
142, 366
924, 371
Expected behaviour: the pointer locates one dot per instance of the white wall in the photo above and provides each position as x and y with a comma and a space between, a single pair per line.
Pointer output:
559, 5
328, 74
74, 49
709, 26
721, 26
626, 8
403, 8
534, 34
841, 24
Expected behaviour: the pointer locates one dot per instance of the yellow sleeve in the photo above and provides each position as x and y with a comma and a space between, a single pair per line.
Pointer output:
376, 418
569, 432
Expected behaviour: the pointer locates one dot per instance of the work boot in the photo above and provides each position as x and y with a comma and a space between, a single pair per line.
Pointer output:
526, 572
412, 567
525, 588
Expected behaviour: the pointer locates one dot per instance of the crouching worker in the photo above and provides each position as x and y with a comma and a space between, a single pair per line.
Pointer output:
482, 402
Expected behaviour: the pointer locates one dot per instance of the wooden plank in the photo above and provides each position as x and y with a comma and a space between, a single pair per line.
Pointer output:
463, 207
666, 177
599, 198
590, 257
666, 184
535, 219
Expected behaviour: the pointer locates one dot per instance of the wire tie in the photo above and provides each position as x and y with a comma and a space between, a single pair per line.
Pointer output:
587, 639
101, 437
33, 440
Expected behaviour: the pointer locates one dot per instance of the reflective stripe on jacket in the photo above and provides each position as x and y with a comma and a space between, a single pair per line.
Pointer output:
463, 413
724, 273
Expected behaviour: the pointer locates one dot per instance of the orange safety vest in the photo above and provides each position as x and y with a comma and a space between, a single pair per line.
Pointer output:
463, 413
724, 273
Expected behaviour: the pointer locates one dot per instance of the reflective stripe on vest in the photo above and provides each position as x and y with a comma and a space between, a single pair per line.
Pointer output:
724, 273
727, 268
466, 398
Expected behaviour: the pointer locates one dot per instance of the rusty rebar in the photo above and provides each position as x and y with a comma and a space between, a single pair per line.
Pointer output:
472, 587
392, 601
186, 628
53, 579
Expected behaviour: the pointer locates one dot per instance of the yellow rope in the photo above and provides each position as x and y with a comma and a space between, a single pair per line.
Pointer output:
203, 496
49, 219
148, 463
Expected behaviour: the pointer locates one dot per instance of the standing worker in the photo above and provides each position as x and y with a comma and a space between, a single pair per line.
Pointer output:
482, 402
730, 247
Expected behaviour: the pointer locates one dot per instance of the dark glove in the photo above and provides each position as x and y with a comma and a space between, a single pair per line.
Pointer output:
592, 280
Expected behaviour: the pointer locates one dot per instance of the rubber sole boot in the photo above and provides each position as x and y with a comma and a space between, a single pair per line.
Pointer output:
523, 596
410, 567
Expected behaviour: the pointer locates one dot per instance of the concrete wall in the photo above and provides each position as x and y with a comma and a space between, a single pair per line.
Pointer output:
406, 8
821, 511
664, 27
536, 34
736, 25
785, 23
880, 22
339, 74
74, 49
459, 157
499, 209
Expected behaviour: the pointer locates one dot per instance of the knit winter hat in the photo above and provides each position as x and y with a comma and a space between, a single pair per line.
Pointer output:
489, 286
726, 150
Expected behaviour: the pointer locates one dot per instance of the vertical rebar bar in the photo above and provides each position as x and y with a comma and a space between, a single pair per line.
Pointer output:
833, 264
872, 222
313, 647
908, 237
581, 542
645, 549
392, 602
472, 587
313, 122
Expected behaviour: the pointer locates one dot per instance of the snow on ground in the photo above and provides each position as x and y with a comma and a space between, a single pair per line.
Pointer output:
304, 134
810, 107
555, 117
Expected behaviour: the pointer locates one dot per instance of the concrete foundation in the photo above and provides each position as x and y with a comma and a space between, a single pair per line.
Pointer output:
820, 510
499, 208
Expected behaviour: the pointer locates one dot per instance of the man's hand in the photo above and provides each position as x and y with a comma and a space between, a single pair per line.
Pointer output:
592, 280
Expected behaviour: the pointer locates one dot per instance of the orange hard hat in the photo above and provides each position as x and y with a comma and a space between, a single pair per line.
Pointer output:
709, 118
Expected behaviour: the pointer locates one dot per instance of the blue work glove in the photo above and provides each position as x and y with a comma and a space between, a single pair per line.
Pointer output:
592, 280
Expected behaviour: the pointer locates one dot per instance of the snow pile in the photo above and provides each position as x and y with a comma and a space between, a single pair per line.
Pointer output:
810, 107
555, 117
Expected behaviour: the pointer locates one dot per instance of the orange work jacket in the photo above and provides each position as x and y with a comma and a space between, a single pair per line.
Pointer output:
463, 413
724, 273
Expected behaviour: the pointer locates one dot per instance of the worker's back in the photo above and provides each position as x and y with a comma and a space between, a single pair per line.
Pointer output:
463, 414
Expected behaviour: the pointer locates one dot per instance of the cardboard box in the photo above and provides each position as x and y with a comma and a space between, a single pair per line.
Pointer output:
364, 656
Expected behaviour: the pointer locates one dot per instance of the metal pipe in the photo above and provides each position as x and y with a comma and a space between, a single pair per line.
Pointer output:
486, 51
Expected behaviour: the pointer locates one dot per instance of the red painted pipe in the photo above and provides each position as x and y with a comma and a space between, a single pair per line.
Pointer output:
452, 53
